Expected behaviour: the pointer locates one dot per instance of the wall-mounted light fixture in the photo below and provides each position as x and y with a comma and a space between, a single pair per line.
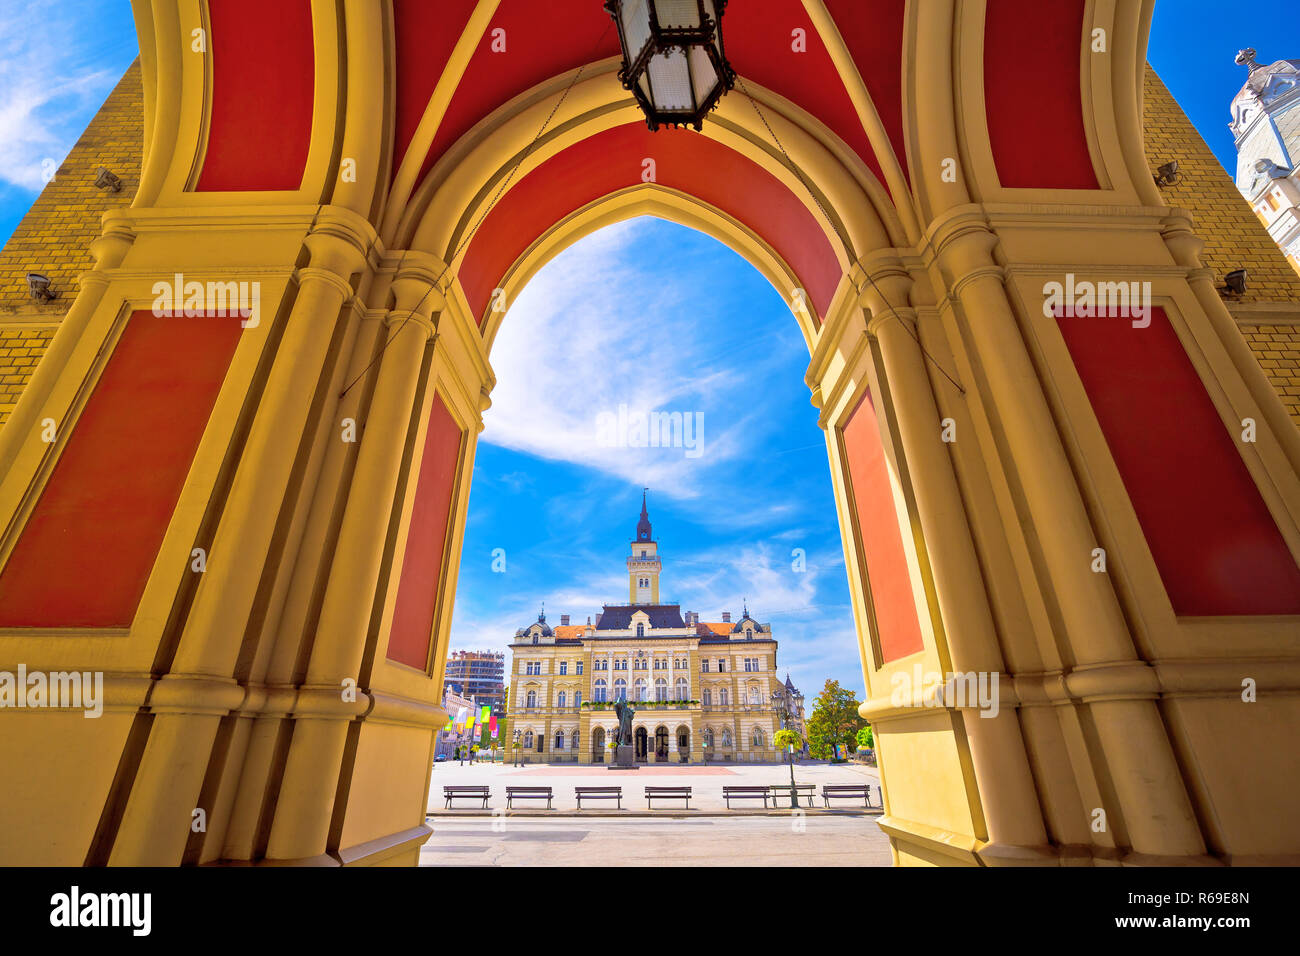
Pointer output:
39, 286
1234, 283
107, 179
1167, 175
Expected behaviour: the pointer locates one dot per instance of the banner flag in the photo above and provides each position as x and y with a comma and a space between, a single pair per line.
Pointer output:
492, 725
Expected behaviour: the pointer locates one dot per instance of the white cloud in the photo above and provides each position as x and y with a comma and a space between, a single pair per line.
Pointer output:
591, 332
55, 70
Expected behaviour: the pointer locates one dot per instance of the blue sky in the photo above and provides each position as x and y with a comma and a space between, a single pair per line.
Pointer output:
618, 319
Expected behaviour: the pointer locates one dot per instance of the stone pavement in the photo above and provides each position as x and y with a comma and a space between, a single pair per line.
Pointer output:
706, 782
743, 840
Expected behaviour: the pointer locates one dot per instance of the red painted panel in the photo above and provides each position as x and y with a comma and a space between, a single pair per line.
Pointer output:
758, 37
873, 32
542, 40
425, 34
882, 540
426, 545
86, 553
1032, 94
1214, 541
684, 160
263, 82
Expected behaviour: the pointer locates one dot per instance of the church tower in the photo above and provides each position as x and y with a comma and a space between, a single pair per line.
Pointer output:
643, 566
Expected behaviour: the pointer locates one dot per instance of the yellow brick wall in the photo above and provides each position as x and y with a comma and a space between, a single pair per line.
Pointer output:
54, 237
1234, 236
1278, 350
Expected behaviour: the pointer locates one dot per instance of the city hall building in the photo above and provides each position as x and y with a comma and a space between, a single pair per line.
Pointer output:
702, 691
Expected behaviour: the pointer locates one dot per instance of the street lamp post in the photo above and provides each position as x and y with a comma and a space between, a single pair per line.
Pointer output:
516, 742
778, 701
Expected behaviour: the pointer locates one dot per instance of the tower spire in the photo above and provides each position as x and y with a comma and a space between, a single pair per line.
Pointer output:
643, 526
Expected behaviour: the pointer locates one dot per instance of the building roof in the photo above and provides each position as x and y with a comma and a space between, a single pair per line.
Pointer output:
569, 631
618, 617
705, 628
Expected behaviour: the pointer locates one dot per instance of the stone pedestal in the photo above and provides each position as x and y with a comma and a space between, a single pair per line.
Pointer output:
624, 758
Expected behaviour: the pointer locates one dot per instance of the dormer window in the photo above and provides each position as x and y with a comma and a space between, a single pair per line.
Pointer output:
640, 630
534, 638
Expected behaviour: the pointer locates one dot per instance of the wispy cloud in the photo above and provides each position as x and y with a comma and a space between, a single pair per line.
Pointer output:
54, 73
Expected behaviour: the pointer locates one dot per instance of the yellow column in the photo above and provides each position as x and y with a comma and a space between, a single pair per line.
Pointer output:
1006, 786
301, 829
1154, 803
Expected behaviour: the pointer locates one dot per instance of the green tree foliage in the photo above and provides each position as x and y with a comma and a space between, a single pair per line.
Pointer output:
834, 720
866, 739
787, 738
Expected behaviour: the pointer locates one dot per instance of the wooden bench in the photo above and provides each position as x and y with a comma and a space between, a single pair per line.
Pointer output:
668, 793
528, 793
780, 790
472, 793
745, 793
846, 791
599, 793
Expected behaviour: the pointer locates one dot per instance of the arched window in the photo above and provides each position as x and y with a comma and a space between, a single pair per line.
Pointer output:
600, 690
758, 737
749, 633
708, 734
620, 689
723, 696
708, 697
562, 699
726, 736
534, 638
683, 689
640, 688
531, 699
640, 630
559, 739
661, 688
528, 739
573, 740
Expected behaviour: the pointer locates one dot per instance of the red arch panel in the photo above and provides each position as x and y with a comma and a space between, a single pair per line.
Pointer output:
263, 84
760, 44
416, 606
1214, 541
1033, 95
541, 40
684, 160
889, 583
425, 35
873, 32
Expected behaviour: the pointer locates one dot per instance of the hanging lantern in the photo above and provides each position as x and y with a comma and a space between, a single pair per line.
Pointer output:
673, 58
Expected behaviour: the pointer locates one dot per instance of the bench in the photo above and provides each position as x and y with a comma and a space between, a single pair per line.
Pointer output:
745, 793
528, 793
780, 790
472, 793
668, 793
854, 791
599, 793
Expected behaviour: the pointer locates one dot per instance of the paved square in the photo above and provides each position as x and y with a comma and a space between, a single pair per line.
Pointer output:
706, 835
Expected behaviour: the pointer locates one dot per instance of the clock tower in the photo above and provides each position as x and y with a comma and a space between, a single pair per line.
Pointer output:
643, 566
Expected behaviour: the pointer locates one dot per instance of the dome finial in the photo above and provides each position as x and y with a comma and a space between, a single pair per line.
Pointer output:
643, 526
1246, 58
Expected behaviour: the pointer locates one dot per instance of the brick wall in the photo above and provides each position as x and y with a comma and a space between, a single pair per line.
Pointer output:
1278, 349
54, 237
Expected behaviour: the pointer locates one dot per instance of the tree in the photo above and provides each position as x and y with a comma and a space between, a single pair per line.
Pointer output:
866, 738
834, 720
787, 738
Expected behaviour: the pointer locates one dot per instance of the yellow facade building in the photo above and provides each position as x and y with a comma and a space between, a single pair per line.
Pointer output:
703, 691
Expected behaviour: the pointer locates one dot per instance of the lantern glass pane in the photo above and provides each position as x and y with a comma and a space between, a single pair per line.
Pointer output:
636, 26
671, 82
703, 75
678, 14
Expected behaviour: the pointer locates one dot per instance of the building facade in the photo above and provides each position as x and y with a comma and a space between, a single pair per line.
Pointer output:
702, 691
478, 675
1266, 127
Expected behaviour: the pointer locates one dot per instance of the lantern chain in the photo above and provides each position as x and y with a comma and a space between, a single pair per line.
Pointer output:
794, 167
